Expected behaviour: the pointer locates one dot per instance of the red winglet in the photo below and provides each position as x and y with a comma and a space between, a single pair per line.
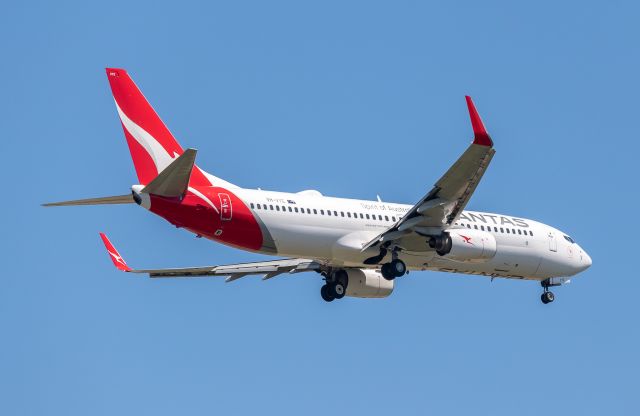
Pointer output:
480, 135
116, 258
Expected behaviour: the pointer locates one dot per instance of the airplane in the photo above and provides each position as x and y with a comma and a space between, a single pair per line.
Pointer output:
358, 247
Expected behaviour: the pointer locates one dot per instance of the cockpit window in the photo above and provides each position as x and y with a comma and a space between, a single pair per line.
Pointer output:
569, 239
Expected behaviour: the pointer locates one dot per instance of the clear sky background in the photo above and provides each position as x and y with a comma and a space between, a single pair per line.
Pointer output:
353, 99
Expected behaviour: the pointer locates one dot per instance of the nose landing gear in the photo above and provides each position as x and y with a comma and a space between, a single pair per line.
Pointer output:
547, 295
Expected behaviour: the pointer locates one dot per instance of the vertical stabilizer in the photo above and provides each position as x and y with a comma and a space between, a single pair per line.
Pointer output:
150, 142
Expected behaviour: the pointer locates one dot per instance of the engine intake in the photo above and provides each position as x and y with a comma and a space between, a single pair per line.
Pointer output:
469, 246
441, 243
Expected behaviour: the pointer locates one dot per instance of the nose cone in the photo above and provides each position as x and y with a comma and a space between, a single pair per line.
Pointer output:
585, 260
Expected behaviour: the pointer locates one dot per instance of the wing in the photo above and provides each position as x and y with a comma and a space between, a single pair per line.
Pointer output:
232, 271
442, 205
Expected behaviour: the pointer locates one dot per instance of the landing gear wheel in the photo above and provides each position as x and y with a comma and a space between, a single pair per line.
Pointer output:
338, 290
398, 268
326, 293
386, 272
547, 297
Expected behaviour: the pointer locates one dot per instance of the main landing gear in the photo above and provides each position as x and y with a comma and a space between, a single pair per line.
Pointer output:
395, 268
335, 286
547, 296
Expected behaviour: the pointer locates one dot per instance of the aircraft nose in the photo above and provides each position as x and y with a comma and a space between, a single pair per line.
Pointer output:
586, 260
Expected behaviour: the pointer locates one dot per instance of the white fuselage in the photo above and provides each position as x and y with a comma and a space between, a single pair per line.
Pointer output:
310, 225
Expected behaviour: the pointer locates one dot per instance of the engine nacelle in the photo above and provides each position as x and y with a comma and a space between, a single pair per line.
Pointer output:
468, 246
367, 283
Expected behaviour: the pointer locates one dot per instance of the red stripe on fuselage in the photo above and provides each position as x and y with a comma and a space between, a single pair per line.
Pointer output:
196, 214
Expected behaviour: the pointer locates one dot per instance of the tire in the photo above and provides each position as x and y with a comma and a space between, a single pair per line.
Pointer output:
398, 268
338, 290
547, 297
326, 294
341, 276
386, 272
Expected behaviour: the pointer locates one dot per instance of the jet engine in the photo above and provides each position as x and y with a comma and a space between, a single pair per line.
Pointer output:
367, 283
465, 245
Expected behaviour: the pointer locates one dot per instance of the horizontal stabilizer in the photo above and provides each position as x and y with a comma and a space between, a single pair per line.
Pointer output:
105, 200
173, 181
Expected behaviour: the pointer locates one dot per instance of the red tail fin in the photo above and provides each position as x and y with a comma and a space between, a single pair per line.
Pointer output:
151, 144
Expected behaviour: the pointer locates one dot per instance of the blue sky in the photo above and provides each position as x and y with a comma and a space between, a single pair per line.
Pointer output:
353, 99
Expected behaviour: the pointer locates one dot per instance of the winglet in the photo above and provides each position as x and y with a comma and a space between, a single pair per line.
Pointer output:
116, 258
480, 135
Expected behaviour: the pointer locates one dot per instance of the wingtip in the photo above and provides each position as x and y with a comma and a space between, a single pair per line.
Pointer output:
480, 134
116, 258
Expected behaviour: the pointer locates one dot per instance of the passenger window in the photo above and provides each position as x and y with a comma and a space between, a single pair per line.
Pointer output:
482, 227
386, 218
468, 225
315, 211
507, 230
519, 232
475, 226
361, 216
290, 210
277, 207
531, 233
296, 209
258, 206
393, 219
308, 211
367, 216
501, 230
252, 207
328, 213
349, 214
321, 212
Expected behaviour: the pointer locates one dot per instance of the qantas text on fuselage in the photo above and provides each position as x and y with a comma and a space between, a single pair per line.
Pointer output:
358, 247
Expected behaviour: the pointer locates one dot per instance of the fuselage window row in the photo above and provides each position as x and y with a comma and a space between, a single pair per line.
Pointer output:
495, 229
381, 218
322, 212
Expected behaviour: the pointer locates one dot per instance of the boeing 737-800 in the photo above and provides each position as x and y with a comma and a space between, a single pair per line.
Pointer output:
358, 247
